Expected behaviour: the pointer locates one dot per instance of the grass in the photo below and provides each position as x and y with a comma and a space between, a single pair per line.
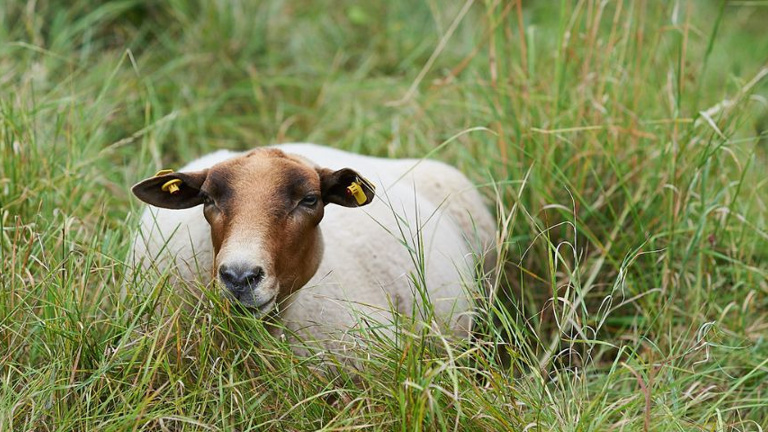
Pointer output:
619, 143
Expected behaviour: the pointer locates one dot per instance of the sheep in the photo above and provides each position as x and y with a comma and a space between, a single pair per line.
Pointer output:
280, 234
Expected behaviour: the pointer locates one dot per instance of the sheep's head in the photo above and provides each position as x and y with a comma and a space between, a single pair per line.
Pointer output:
264, 209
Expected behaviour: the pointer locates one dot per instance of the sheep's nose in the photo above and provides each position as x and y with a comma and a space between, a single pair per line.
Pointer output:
240, 279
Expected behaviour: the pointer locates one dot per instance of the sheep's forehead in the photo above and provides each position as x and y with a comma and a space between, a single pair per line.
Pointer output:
262, 175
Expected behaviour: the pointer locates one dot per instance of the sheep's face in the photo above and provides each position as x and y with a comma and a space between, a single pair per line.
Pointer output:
264, 209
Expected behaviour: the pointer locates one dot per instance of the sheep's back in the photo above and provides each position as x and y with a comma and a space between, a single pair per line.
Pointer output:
417, 239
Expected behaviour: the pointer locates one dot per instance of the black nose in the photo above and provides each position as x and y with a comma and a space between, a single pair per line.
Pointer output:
240, 279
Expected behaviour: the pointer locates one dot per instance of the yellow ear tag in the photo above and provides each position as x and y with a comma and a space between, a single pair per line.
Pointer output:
171, 186
357, 192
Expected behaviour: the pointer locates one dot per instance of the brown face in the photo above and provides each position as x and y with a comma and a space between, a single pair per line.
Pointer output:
264, 209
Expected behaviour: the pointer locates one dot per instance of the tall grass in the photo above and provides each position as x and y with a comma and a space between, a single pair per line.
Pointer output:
618, 143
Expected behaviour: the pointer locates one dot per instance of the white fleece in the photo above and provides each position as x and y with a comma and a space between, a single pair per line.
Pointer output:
427, 222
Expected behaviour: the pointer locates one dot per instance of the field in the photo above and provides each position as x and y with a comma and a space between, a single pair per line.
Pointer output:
622, 145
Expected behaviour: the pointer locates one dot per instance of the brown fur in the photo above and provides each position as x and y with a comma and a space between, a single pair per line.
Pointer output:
256, 199
262, 200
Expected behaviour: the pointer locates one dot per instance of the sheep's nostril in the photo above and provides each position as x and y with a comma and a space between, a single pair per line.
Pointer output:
240, 279
253, 277
225, 275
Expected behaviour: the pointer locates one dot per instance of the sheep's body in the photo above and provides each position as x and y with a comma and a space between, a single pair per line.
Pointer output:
425, 215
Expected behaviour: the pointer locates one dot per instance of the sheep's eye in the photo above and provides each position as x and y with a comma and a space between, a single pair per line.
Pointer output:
309, 201
208, 201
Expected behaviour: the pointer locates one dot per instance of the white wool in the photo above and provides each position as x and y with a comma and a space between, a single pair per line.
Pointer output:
366, 268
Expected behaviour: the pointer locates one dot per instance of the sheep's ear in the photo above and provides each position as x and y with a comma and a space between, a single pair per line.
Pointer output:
345, 187
172, 190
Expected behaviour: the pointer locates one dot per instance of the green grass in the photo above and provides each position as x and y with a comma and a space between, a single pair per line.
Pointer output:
619, 144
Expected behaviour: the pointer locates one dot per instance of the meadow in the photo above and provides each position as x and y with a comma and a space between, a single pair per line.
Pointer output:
622, 145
